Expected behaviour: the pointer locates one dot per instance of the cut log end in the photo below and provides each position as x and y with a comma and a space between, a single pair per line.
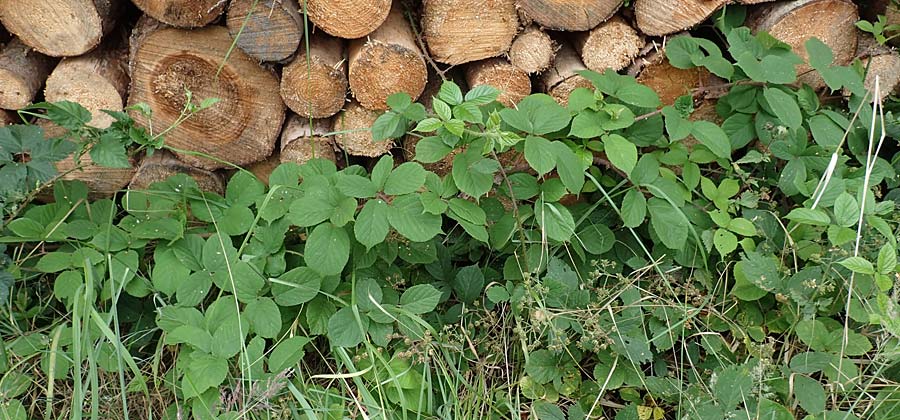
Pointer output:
184, 13
264, 168
302, 140
513, 82
355, 134
58, 28
22, 72
270, 31
563, 78
669, 82
241, 128
663, 17
98, 81
386, 62
568, 15
611, 45
162, 165
795, 22
532, 50
348, 19
881, 62
315, 83
461, 31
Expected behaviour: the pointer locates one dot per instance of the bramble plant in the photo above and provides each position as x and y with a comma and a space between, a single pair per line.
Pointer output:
615, 257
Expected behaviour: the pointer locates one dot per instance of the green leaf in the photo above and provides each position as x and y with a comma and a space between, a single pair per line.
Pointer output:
555, 219
355, 186
846, 210
887, 259
713, 137
809, 394
204, 371
406, 178
428, 125
539, 154
310, 210
372, 224
638, 95
546, 411
468, 211
407, 215
482, 94
442, 109
327, 249
634, 208
742, 226
770, 410
431, 149
389, 125
450, 93
244, 189
813, 333
732, 387
785, 107
287, 354
264, 317
537, 114
568, 166
468, 283
53, 262
543, 367
858, 265
743, 288
381, 171
298, 286
621, 152
344, 330
420, 299
669, 223
816, 217
724, 241
473, 173
677, 126
497, 294
110, 152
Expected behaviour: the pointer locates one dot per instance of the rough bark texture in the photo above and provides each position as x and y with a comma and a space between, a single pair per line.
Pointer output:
302, 140
611, 45
315, 83
795, 22
568, 15
241, 128
97, 80
183, 13
461, 31
264, 168
513, 82
59, 28
386, 62
162, 165
561, 79
22, 72
354, 125
880, 61
270, 31
348, 18
532, 50
663, 17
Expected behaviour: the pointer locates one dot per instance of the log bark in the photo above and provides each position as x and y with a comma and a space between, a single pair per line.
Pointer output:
303, 140
663, 17
795, 22
532, 50
269, 31
59, 28
462, 31
102, 182
568, 15
355, 134
241, 128
880, 61
348, 19
315, 83
97, 80
22, 73
513, 82
611, 45
182, 13
162, 165
264, 168
561, 79
388, 61
653, 70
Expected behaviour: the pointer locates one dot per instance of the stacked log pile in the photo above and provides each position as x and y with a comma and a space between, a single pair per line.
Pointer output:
298, 79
